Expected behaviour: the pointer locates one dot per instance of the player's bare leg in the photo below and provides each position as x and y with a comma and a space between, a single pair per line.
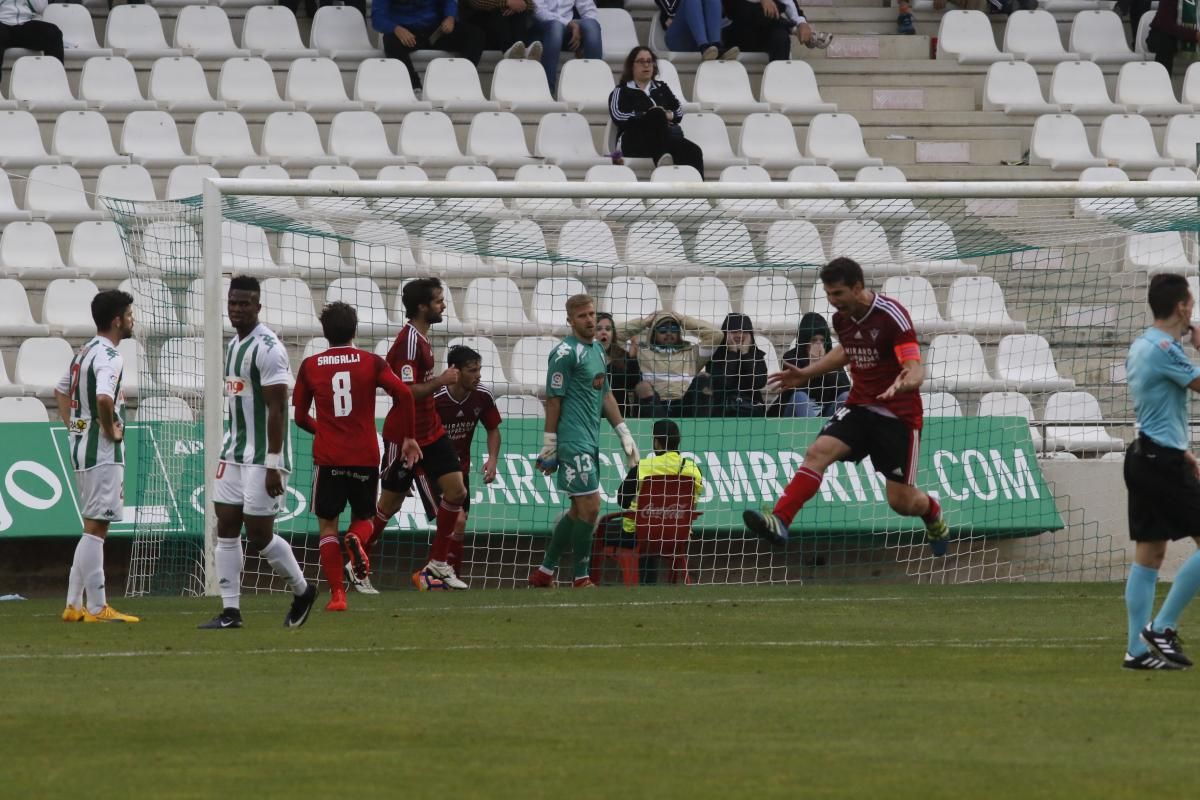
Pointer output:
453, 493
331, 564
909, 501
773, 525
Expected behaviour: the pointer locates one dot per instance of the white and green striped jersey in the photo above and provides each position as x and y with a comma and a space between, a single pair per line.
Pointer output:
96, 369
250, 364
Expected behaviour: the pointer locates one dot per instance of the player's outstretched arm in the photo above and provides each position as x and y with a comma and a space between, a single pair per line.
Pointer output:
912, 375
402, 396
612, 412
792, 377
493, 455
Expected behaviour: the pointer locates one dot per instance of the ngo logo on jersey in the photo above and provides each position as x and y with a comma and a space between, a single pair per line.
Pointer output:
234, 386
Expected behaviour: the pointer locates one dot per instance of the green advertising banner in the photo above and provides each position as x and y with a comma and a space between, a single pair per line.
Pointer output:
983, 470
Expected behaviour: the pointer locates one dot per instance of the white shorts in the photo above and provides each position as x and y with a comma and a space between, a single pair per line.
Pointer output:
102, 492
245, 485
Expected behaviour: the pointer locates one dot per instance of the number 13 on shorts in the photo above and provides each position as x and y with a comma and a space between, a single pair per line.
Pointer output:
577, 473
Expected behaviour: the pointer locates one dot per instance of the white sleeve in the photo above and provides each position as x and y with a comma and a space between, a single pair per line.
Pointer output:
64, 383
792, 12
273, 365
108, 375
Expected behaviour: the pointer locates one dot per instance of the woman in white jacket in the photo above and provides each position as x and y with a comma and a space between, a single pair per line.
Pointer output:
20, 27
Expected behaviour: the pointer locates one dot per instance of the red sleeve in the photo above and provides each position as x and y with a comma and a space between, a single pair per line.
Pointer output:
402, 397
490, 416
398, 358
302, 397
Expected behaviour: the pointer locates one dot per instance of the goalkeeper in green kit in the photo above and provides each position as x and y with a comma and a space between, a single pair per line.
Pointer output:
577, 393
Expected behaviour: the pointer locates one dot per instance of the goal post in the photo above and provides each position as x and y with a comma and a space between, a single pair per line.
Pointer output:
1023, 295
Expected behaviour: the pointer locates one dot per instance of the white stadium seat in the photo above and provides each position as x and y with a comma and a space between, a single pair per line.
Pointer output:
916, 294
382, 250
1099, 36
126, 182
724, 87
520, 406
23, 409
9, 211
1079, 87
565, 139
929, 247
315, 85
955, 364
449, 247
530, 358
66, 306
835, 140
152, 139
287, 307
7, 387
724, 244
223, 139
452, 85
96, 250
617, 33
178, 85
614, 207
1060, 141
772, 302
1013, 87
655, 248
15, 317
790, 87
384, 85
1010, 404
427, 138
549, 301
340, 33
495, 307
816, 207
21, 142
135, 31
1179, 140
29, 249
976, 303
271, 32
967, 37
708, 131
1145, 87
110, 84
75, 22
244, 248
585, 85
749, 208
41, 361
291, 138
203, 31
703, 297
39, 83
181, 365
83, 138
164, 409
154, 309
690, 209
248, 85
794, 243
590, 246
1024, 362
630, 298
1077, 407
470, 207
316, 255
136, 380
1033, 36
187, 180
769, 140
517, 248
670, 76
866, 242
1128, 141
55, 193
359, 139
496, 138
879, 208
1158, 252
941, 404
519, 85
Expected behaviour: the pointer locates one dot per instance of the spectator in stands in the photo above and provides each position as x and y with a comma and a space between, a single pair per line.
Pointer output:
408, 25
694, 26
647, 113
505, 25
824, 394
566, 23
1173, 28
670, 364
20, 27
737, 371
769, 25
623, 370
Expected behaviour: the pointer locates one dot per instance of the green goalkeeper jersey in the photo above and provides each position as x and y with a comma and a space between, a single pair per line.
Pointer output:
577, 373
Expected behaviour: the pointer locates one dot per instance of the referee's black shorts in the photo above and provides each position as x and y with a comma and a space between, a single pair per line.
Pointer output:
1164, 493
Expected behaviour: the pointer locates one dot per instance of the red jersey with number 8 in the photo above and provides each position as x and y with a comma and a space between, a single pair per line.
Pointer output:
411, 357
342, 382
875, 343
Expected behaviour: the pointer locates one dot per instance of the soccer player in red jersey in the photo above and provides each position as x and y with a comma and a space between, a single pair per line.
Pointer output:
342, 381
882, 416
411, 357
462, 406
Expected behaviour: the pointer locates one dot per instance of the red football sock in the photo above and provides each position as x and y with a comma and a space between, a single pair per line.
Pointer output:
377, 525
457, 548
800, 489
935, 511
331, 563
447, 519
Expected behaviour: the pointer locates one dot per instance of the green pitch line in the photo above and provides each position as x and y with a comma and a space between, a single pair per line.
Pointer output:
987, 691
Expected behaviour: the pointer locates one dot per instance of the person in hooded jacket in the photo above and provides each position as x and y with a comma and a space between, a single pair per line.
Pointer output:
624, 373
824, 394
737, 371
670, 363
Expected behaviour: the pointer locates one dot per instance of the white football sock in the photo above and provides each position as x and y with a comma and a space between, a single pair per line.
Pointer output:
89, 559
281, 558
75, 583
229, 559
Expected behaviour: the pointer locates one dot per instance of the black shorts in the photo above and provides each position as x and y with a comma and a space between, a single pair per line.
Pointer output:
438, 458
333, 487
892, 445
1164, 493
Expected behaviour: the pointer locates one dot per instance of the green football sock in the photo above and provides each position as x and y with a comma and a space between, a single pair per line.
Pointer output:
558, 542
582, 545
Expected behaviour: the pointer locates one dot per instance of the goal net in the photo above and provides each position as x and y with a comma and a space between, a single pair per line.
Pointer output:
1024, 299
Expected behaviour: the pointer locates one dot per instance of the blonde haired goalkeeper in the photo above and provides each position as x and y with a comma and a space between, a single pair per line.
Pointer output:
577, 393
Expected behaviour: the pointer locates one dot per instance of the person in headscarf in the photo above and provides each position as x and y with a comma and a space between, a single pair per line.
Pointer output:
624, 373
669, 362
737, 371
825, 394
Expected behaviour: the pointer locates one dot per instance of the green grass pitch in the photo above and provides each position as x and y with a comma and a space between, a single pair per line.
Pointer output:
867, 691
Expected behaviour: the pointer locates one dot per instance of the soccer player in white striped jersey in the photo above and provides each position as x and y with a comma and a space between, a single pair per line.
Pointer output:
92, 406
255, 459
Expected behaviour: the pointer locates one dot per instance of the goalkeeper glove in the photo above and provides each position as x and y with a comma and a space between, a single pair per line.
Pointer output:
547, 459
632, 457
